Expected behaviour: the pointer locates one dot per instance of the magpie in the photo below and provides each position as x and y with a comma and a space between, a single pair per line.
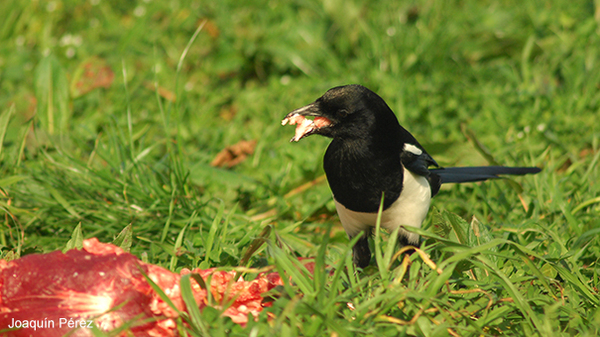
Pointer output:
371, 155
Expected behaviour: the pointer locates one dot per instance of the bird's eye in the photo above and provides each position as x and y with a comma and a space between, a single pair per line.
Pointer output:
343, 113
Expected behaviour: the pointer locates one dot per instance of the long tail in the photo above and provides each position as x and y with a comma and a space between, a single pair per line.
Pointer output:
479, 173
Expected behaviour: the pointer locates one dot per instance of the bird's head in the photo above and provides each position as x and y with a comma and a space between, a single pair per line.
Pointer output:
349, 112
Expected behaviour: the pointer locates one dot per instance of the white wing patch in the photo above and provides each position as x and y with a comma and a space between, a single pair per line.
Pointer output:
410, 209
412, 149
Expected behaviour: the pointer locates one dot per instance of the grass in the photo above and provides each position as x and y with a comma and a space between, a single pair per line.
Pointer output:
111, 113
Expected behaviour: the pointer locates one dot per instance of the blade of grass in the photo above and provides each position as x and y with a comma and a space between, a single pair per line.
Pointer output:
62, 201
52, 93
440, 279
192, 306
24, 134
381, 265
177, 90
337, 277
76, 241
178, 242
210, 240
388, 256
255, 245
575, 281
224, 229
515, 294
320, 270
298, 273
162, 294
125, 238
129, 120
167, 226
4, 120
8, 181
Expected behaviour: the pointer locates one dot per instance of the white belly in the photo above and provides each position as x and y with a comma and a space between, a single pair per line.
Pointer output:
409, 210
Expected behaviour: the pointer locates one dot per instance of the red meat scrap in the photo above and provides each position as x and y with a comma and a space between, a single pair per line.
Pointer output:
53, 291
102, 285
245, 296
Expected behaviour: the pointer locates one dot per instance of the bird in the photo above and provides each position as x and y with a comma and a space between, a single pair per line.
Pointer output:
371, 158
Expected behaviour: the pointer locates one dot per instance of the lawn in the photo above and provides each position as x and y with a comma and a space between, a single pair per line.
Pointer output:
113, 112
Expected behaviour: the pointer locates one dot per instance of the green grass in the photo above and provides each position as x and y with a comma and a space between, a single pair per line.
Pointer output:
511, 82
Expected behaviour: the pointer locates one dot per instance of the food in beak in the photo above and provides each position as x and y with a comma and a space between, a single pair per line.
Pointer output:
304, 125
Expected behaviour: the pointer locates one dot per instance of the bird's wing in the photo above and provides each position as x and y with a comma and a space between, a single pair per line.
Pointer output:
416, 160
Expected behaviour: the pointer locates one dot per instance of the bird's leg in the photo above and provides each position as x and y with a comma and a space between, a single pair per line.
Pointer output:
403, 241
361, 254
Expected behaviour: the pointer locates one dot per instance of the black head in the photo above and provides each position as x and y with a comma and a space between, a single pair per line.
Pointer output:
346, 112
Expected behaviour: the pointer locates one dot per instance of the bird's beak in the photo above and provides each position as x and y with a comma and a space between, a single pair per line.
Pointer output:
306, 127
